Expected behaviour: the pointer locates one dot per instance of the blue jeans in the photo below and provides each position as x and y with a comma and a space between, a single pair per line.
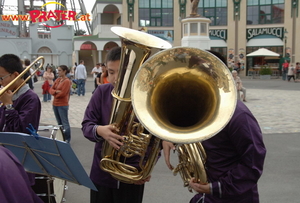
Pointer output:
61, 115
80, 87
46, 97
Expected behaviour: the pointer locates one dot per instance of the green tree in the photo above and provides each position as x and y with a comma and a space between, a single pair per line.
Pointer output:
79, 32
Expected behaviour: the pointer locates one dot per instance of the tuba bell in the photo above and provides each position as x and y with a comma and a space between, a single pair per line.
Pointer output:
136, 47
185, 96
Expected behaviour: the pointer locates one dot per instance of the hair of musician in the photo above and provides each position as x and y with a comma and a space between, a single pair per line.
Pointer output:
11, 63
114, 54
218, 55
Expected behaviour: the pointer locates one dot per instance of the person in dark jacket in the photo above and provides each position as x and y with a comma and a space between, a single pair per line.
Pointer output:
14, 184
235, 160
96, 128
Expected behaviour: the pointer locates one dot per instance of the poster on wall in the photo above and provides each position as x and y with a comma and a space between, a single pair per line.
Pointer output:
8, 29
230, 59
242, 57
163, 34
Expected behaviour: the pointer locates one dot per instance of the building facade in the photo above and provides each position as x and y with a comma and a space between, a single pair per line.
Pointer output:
237, 27
54, 44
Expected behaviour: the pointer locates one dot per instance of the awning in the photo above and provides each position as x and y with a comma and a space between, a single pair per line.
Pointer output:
260, 42
218, 43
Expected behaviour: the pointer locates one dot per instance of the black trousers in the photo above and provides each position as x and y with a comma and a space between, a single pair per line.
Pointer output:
127, 193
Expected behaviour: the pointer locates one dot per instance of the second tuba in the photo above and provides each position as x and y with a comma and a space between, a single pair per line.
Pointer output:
184, 95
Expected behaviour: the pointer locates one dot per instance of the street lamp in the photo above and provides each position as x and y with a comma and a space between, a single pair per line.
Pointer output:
285, 39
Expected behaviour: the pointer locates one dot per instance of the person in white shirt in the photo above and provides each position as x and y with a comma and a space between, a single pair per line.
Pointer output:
80, 76
96, 70
291, 73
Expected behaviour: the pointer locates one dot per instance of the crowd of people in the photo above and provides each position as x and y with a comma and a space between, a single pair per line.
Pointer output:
244, 151
290, 71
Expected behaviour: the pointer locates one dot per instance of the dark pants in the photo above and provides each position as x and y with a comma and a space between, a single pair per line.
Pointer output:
291, 76
127, 193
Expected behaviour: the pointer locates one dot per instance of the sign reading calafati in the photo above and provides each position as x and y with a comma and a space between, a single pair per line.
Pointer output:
275, 31
44, 16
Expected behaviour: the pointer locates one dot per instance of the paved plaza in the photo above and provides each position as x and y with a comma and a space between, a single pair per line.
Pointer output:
275, 104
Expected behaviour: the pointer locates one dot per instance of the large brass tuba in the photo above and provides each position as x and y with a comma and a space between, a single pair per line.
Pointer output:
137, 47
184, 95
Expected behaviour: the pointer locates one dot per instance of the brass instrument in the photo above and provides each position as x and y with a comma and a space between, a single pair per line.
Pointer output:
184, 95
137, 47
27, 69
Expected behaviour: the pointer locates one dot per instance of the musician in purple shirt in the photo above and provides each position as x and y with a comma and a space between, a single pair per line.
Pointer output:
235, 159
14, 184
19, 109
96, 128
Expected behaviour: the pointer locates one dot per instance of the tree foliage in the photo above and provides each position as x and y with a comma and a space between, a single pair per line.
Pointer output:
79, 32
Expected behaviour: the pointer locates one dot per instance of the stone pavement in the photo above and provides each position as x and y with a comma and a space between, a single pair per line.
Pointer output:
274, 103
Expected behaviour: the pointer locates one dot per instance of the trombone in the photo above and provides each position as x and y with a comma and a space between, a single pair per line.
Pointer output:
4, 89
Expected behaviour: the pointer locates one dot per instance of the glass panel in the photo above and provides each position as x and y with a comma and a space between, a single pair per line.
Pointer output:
193, 28
203, 30
278, 13
143, 3
262, 2
155, 3
252, 2
153, 22
209, 3
221, 3
167, 3
167, 17
185, 29
221, 16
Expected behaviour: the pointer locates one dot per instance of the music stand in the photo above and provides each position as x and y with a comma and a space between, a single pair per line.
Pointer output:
46, 156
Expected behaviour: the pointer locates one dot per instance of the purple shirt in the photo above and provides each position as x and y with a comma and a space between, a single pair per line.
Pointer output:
235, 159
14, 184
27, 109
98, 113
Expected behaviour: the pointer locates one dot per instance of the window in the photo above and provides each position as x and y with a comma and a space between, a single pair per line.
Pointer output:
215, 10
156, 13
221, 50
265, 11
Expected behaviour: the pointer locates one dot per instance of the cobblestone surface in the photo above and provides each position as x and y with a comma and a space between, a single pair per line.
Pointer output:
277, 110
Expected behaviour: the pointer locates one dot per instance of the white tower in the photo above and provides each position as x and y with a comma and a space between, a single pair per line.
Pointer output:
195, 29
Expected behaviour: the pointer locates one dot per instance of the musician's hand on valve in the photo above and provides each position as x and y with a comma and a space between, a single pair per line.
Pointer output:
199, 187
167, 147
108, 132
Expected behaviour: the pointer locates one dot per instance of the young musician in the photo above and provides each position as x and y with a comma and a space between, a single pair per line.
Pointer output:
19, 108
96, 128
235, 159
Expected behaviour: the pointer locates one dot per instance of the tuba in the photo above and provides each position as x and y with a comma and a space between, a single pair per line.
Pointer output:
137, 47
185, 96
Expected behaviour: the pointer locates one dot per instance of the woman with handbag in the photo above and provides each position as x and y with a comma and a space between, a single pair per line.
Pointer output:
48, 77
